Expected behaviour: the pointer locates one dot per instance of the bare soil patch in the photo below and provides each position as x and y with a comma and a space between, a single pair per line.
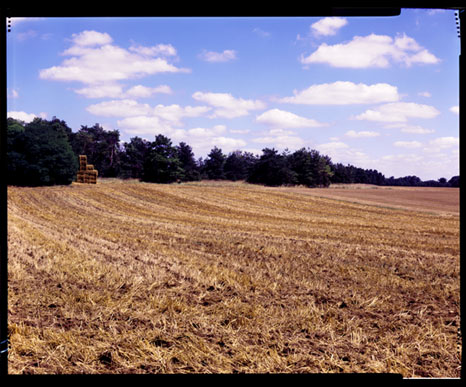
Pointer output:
431, 199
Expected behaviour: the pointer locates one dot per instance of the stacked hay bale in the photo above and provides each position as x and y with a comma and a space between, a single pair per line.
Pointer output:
82, 168
87, 173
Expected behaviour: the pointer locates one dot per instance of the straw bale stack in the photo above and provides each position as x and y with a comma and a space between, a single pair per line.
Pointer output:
87, 173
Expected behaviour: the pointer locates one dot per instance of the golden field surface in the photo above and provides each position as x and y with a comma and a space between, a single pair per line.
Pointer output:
223, 277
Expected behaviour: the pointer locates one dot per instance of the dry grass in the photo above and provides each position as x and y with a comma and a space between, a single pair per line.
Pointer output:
129, 277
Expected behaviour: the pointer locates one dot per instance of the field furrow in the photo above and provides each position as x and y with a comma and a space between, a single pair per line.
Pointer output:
130, 277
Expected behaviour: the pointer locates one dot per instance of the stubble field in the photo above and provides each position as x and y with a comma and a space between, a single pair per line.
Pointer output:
209, 277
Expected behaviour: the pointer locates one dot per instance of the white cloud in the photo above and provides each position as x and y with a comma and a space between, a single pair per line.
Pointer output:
422, 56
159, 49
120, 108
227, 144
333, 146
403, 158
106, 64
206, 132
93, 60
202, 145
328, 26
107, 90
261, 33
212, 56
341, 152
430, 165
30, 34
424, 94
455, 109
147, 125
12, 93
437, 158
202, 140
416, 129
115, 90
168, 114
91, 38
398, 112
278, 136
407, 144
417, 161
344, 93
361, 134
406, 43
279, 132
239, 131
228, 106
100, 66
22, 36
371, 51
143, 119
174, 113
140, 91
444, 143
277, 118
26, 117
281, 142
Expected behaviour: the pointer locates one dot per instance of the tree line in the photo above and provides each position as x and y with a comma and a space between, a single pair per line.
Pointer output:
45, 152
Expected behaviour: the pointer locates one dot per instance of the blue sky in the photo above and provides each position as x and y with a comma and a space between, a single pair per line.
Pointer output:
375, 92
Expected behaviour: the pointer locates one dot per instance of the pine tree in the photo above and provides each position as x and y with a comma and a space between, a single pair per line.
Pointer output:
188, 163
161, 163
214, 164
132, 158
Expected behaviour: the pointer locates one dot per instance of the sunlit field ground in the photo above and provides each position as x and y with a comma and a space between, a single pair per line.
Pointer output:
130, 277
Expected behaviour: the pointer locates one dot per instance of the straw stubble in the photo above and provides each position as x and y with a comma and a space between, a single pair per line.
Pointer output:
214, 277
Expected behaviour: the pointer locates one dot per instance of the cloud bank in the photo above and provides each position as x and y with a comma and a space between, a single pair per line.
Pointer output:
372, 51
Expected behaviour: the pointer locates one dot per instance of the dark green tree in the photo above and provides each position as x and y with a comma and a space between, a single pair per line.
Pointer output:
17, 162
430, 183
39, 155
408, 181
454, 181
101, 148
132, 158
340, 174
302, 164
312, 169
442, 182
214, 164
238, 164
161, 163
188, 163
324, 170
350, 174
62, 125
272, 169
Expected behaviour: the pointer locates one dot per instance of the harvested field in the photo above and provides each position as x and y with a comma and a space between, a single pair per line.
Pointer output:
429, 199
210, 277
